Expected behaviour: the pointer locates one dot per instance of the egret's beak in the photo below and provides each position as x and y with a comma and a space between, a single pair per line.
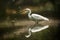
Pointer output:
24, 11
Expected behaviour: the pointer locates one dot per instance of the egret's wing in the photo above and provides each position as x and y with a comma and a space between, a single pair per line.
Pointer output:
36, 16
39, 17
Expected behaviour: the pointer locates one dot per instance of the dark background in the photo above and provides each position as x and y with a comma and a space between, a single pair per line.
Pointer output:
4, 4
53, 33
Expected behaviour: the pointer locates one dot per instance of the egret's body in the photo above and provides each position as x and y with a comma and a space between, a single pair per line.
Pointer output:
37, 17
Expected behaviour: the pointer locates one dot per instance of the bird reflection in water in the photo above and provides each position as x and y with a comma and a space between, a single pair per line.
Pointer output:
36, 29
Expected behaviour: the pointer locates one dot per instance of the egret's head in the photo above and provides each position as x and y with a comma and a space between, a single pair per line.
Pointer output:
27, 10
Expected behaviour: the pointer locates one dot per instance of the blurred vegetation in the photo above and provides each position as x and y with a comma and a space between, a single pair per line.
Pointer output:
41, 6
48, 8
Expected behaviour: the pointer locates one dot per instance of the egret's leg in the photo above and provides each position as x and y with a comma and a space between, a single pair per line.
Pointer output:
36, 23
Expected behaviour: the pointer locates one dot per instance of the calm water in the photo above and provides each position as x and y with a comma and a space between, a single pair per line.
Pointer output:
18, 30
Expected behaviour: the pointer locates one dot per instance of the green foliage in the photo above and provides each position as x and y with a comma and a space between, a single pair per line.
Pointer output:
49, 6
36, 1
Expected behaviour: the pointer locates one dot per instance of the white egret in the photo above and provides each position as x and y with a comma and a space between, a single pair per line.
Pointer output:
35, 17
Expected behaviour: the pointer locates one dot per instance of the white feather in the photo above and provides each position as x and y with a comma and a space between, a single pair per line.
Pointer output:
38, 17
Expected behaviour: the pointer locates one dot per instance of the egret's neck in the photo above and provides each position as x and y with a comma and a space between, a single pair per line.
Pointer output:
29, 13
